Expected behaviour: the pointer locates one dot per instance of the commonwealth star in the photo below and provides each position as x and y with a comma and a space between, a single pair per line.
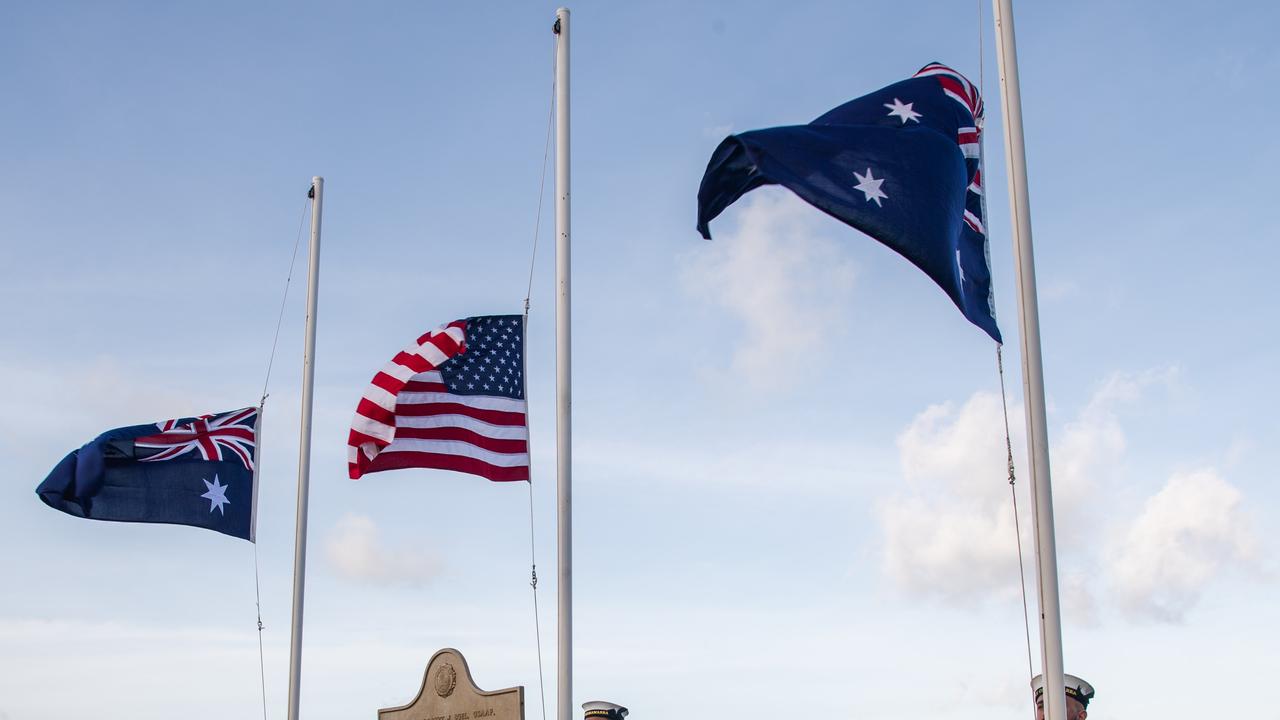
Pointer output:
217, 495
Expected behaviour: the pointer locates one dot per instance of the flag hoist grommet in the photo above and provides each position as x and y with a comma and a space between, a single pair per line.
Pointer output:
451, 400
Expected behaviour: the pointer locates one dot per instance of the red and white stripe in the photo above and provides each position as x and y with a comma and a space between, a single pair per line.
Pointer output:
975, 187
970, 219
974, 222
956, 86
968, 139
409, 419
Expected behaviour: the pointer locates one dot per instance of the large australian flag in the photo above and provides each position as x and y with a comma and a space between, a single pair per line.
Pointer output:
902, 164
195, 471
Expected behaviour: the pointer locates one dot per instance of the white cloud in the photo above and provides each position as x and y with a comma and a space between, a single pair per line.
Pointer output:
963, 449
1079, 604
356, 550
953, 535
1186, 534
1087, 452
786, 284
981, 687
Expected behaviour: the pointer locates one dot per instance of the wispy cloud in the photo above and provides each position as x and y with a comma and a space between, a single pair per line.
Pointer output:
737, 460
99, 392
150, 668
718, 132
784, 281
356, 550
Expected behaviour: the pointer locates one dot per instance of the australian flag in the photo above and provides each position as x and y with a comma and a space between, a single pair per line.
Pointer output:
190, 471
902, 164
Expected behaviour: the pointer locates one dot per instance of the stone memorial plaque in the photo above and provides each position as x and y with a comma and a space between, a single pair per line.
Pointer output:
449, 693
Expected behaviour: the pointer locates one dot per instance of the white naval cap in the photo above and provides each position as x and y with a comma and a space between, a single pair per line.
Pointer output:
603, 710
1077, 688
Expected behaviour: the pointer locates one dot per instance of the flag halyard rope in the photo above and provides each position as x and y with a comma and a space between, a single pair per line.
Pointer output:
293, 260
1017, 528
1004, 400
533, 257
275, 341
533, 554
257, 597
533, 583
542, 182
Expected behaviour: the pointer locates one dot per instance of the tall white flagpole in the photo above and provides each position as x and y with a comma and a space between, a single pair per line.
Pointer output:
564, 455
1032, 369
304, 452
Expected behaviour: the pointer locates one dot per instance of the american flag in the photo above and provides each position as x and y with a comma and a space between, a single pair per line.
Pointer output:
451, 400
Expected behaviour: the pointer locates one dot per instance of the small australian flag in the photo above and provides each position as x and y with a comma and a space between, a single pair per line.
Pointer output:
196, 471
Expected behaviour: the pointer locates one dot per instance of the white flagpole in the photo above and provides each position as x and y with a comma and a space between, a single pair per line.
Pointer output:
304, 452
564, 456
1032, 369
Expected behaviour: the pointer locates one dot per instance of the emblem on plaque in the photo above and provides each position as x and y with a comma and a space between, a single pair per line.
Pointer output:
448, 692
446, 679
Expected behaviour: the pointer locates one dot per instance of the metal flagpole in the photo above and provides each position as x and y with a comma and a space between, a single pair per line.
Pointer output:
1032, 369
564, 457
304, 452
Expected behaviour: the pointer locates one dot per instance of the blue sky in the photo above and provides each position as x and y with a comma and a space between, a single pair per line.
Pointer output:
789, 472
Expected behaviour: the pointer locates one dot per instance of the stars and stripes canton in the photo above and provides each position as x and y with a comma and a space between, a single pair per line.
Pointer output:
902, 164
212, 437
452, 400
197, 471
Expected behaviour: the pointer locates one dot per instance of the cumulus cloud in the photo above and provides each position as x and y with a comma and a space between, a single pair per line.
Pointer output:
962, 449
1186, 534
783, 281
951, 534
356, 550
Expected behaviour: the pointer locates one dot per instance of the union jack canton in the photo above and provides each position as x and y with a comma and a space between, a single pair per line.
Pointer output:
196, 471
208, 435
